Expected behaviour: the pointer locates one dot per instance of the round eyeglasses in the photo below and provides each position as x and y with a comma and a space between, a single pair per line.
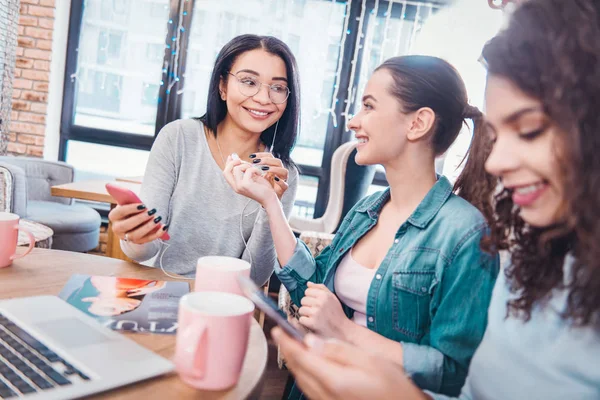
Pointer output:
250, 86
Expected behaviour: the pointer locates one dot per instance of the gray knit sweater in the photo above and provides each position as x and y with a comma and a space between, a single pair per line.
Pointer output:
186, 186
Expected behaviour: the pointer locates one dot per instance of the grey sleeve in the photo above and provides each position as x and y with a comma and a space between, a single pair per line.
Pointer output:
159, 182
140, 252
261, 242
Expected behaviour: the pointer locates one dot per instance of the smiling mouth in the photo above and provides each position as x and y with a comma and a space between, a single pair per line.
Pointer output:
526, 195
258, 113
362, 139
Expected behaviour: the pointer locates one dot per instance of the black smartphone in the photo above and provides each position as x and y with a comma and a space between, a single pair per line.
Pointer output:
264, 303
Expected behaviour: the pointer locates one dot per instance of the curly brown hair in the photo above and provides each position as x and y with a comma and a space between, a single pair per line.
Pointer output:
551, 51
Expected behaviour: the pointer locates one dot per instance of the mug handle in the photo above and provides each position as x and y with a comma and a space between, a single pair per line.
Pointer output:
31, 242
195, 360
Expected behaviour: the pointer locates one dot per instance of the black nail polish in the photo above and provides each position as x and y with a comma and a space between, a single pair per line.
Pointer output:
277, 179
256, 161
252, 155
141, 207
265, 167
157, 220
152, 212
165, 228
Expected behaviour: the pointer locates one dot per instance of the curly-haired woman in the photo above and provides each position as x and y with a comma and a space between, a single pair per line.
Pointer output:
543, 334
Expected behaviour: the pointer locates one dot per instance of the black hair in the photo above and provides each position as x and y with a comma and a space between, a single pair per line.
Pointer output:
216, 108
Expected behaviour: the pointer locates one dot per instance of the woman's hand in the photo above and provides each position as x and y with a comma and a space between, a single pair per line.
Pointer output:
322, 312
277, 174
247, 181
336, 370
134, 223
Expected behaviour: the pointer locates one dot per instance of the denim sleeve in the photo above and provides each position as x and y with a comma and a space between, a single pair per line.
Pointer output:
457, 327
303, 268
465, 394
437, 396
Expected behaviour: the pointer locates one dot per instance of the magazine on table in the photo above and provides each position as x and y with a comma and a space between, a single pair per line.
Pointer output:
127, 304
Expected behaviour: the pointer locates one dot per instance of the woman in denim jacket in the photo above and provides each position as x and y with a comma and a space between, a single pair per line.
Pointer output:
404, 275
543, 334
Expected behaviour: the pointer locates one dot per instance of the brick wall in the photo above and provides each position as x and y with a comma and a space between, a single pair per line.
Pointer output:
32, 74
30, 87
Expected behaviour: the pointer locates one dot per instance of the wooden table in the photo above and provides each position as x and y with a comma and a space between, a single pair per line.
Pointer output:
45, 272
95, 191
132, 179
42, 234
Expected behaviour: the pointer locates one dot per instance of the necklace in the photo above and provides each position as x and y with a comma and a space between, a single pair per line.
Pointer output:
221, 153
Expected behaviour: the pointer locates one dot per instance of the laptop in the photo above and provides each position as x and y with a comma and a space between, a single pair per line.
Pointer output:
51, 350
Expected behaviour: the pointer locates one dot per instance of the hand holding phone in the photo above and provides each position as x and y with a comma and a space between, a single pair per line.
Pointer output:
124, 196
267, 305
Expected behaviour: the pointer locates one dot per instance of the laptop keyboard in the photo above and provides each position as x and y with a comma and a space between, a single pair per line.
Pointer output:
27, 366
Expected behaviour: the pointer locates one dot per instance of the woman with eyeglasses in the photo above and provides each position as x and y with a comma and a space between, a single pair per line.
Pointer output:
252, 111
543, 334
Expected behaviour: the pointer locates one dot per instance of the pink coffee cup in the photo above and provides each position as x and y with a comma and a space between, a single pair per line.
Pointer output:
220, 274
212, 339
9, 235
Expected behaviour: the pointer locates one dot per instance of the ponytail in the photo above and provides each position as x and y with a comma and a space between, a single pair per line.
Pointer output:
474, 184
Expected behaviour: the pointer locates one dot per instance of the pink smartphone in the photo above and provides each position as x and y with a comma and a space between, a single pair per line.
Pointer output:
124, 196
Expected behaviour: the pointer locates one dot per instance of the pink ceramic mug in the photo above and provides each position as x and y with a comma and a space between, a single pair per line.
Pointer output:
212, 339
9, 236
219, 274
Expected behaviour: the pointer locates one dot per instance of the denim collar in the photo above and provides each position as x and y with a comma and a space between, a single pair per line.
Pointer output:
427, 209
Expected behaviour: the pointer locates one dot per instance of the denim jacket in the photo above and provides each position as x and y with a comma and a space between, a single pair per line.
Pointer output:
431, 291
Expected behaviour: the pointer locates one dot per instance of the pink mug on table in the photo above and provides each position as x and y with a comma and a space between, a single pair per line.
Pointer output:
9, 236
220, 273
212, 339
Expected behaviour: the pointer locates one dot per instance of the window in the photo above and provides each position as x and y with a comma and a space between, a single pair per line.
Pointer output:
91, 161
298, 7
118, 70
112, 10
155, 52
122, 68
159, 11
150, 95
293, 42
304, 207
101, 95
313, 37
109, 48
391, 32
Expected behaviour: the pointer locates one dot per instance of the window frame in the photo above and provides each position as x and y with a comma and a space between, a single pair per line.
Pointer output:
170, 108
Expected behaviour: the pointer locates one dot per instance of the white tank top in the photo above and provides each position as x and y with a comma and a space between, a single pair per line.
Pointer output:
352, 282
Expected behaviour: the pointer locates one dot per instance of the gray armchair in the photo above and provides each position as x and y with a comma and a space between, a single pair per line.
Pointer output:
76, 227
13, 189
